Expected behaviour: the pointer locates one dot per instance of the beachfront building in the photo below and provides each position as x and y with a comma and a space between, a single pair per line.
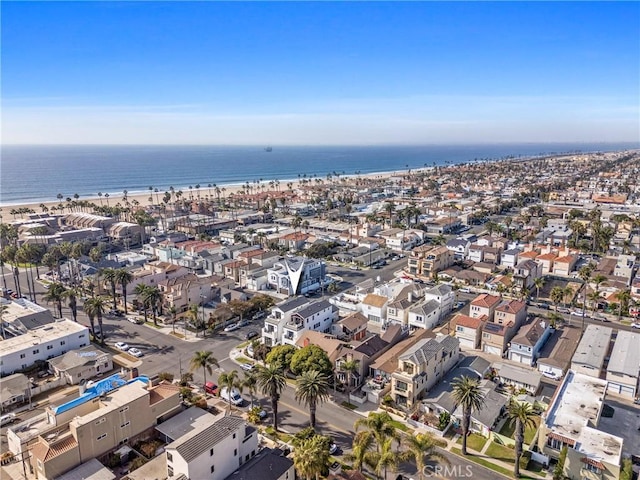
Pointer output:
571, 421
297, 275
41, 344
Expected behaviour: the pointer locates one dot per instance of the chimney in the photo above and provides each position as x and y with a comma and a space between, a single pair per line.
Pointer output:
410, 296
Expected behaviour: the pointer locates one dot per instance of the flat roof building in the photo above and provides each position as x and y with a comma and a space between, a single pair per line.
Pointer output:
623, 369
592, 350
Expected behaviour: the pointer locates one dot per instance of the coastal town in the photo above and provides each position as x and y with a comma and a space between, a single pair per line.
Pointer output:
479, 320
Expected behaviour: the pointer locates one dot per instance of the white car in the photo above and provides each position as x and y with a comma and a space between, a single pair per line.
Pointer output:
635, 325
135, 352
122, 346
333, 448
231, 328
552, 375
235, 398
133, 320
247, 366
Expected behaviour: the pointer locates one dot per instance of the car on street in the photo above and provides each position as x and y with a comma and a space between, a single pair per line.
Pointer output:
243, 323
7, 419
459, 305
333, 448
250, 334
635, 325
260, 315
116, 313
122, 346
262, 414
564, 310
231, 328
234, 397
134, 320
135, 352
354, 267
247, 367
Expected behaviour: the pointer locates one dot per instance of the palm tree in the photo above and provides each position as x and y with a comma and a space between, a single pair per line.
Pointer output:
203, 359
230, 381
361, 449
251, 382
312, 387
272, 381
141, 293
56, 294
384, 459
421, 447
97, 306
173, 311
110, 276
72, 295
557, 296
538, 283
466, 393
623, 297
124, 278
522, 415
311, 457
349, 367
380, 425
153, 298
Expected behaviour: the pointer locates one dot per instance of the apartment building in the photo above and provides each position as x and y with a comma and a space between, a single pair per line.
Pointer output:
484, 304
41, 344
426, 261
180, 293
421, 366
572, 421
273, 329
213, 450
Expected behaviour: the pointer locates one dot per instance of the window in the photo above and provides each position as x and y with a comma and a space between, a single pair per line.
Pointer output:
169, 457
591, 468
402, 386
169, 471
104, 435
36, 351
211, 452
125, 424
124, 409
22, 355
102, 420
62, 342
213, 468
459, 328
49, 347
234, 435
235, 452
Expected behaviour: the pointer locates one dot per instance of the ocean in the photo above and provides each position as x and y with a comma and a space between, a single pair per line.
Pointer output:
33, 174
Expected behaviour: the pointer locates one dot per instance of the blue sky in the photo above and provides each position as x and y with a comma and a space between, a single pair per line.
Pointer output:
320, 73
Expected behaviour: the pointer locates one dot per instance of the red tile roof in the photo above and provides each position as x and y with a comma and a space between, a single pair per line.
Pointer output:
485, 300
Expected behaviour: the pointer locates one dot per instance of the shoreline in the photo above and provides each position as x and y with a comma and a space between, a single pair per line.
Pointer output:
143, 196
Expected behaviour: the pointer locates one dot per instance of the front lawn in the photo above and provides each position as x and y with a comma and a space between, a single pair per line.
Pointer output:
508, 429
475, 442
400, 426
500, 452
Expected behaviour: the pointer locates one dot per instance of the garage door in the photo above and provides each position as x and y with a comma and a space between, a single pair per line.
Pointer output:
493, 350
516, 357
623, 390
465, 342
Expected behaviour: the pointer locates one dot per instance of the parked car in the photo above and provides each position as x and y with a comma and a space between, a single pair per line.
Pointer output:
232, 327
234, 397
251, 334
135, 352
134, 320
635, 325
247, 366
122, 346
211, 388
333, 448
7, 419
552, 375
243, 323
260, 315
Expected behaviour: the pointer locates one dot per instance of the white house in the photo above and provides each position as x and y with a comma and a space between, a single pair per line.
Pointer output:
424, 314
280, 315
296, 275
212, 451
444, 295
374, 307
459, 247
318, 316
509, 258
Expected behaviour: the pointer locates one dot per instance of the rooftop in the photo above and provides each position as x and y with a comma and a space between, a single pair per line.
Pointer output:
191, 445
41, 335
577, 405
593, 347
625, 356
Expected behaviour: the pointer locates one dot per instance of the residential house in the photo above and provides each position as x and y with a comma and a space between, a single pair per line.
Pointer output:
152, 273
555, 357
426, 261
468, 330
351, 328
81, 365
511, 311
273, 329
564, 265
400, 240
496, 336
14, 389
317, 316
297, 275
459, 247
525, 273
509, 258
623, 369
424, 314
180, 293
572, 421
546, 261
518, 377
374, 308
485, 420
484, 304
421, 367
444, 295
268, 464
592, 350
525, 346
293, 242
213, 451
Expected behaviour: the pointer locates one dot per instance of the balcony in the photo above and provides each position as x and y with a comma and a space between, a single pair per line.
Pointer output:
295, 326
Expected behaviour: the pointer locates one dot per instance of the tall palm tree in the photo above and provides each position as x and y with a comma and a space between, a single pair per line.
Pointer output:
251, 382
110, 276
124, 278
97, 306
153, 298
203, 359
467, 393
522, 415
230, 381
56, 294
421, 447
141, 293
623, 296
312, 387
557, 296
272, 381
173, 311
380, 425
538, 283
72, 295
